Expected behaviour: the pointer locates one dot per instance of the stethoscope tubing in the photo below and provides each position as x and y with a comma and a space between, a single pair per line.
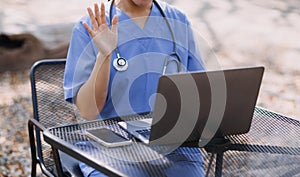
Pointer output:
168, 58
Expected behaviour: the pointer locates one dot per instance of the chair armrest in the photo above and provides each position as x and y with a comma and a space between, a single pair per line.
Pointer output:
33, 122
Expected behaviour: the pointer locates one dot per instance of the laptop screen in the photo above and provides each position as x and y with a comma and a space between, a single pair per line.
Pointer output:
203, 105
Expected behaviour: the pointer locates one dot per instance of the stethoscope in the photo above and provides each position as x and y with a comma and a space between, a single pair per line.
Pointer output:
121, 64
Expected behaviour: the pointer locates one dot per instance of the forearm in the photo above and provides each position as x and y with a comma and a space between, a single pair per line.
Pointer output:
92, 95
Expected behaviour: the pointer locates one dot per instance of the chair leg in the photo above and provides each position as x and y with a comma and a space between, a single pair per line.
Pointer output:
33, 168
32, 148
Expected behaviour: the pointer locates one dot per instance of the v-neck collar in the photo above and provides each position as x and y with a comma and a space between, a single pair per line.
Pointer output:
124, 17
129, 29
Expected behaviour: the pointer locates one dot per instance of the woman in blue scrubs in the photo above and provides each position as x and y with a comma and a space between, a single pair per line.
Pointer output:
103, 87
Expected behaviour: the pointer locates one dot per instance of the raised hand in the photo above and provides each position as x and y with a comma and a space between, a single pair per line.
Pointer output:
104, 37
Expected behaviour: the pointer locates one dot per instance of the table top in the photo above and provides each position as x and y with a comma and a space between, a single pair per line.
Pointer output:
272, 146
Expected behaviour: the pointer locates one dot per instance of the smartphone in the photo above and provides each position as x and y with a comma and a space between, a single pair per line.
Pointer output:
107, 137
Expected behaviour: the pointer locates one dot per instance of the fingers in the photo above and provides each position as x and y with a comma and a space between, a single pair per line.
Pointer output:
90, 31
98, 18
114, 25
102, 14
98, 21
97, 14
93, 20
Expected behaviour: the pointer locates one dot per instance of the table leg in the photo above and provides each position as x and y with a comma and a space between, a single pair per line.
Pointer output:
219, 164
57, 162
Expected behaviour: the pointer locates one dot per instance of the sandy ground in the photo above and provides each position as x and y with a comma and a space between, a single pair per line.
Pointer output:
239, 33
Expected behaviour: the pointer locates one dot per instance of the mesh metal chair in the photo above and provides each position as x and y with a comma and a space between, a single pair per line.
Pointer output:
50, 109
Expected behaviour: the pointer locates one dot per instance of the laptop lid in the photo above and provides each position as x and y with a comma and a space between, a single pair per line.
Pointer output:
201, 105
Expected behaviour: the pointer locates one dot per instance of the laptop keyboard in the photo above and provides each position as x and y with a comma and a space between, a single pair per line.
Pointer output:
145, 133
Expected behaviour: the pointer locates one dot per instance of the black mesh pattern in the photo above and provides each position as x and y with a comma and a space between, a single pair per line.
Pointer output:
269, 128
271, 148
134, 157
50, 108
53, 110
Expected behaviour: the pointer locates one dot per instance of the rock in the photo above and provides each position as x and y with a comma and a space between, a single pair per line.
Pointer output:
20, 51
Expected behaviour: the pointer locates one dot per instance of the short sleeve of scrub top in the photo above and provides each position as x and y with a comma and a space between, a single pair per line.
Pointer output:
145, 50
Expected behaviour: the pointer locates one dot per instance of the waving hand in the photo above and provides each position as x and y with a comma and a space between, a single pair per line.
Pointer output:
105, 38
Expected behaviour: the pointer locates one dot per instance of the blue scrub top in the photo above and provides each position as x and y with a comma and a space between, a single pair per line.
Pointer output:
133, 91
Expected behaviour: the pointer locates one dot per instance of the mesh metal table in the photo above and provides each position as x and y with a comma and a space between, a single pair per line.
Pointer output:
271, 148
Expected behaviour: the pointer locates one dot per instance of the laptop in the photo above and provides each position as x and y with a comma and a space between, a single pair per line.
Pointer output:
198, 106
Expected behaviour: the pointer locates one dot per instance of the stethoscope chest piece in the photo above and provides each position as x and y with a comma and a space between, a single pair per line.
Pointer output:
120, 64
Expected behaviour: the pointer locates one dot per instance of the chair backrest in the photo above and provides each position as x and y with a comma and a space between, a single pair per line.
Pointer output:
49, 107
